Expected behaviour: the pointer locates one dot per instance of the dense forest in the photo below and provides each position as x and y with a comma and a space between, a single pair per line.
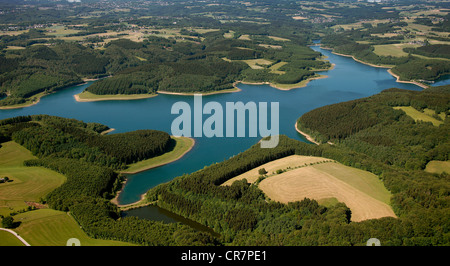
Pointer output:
151, 65
384, 141
217, 43
66, 146
215, 65
360, 44
98, 41
432, 50
378, 139
41, 69
48, 136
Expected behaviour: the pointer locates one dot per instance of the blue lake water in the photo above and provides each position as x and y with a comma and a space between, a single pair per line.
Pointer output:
349, 80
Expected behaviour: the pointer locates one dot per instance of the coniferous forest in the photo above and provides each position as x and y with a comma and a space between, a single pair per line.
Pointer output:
128, 47
240, 213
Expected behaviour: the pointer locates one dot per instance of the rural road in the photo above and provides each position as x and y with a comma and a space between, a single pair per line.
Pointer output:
17, 235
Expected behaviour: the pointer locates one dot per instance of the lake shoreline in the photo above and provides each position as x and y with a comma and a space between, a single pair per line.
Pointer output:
401, 81
17, 106
307, 136
235, 89
288, 87
107, 131
389, 69
163, 163
21, 106
118, 97
142, 198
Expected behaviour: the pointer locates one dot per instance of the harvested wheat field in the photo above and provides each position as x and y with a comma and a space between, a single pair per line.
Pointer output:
289, 161
324, 180
361, 191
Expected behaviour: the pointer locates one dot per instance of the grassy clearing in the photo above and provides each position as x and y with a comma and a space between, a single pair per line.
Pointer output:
60, 31
300, 84
47, 227
257, 63
426, 116
28, 183
203, 31
274, 68
15, 48
140, 58
87, 96
271, 46
393, 49
229, 34
8, 239
245, 37
182, 146
438, 167
278, 39
359, 25
329, 182
9, 206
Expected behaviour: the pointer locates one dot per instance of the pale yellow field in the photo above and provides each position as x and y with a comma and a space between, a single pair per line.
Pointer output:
279, 38
15, 48
438, 167
361, 191
245, 37
203, 31
384, 35
299, 18
256, 63
229, 34
289, 161
358, 25
271, 46
324, 180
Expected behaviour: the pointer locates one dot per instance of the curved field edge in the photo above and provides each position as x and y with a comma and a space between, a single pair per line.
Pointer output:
87, 96
438, 167
296, 177
47, 227
27, 184
42, 227
183, 145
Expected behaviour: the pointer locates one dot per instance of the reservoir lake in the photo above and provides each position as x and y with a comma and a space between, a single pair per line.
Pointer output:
348, 80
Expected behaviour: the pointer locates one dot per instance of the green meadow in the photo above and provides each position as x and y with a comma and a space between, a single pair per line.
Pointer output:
425, 116
26, 184
41, 227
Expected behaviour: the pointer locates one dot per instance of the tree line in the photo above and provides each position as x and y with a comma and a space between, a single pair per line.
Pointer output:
91, 185
390, 147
